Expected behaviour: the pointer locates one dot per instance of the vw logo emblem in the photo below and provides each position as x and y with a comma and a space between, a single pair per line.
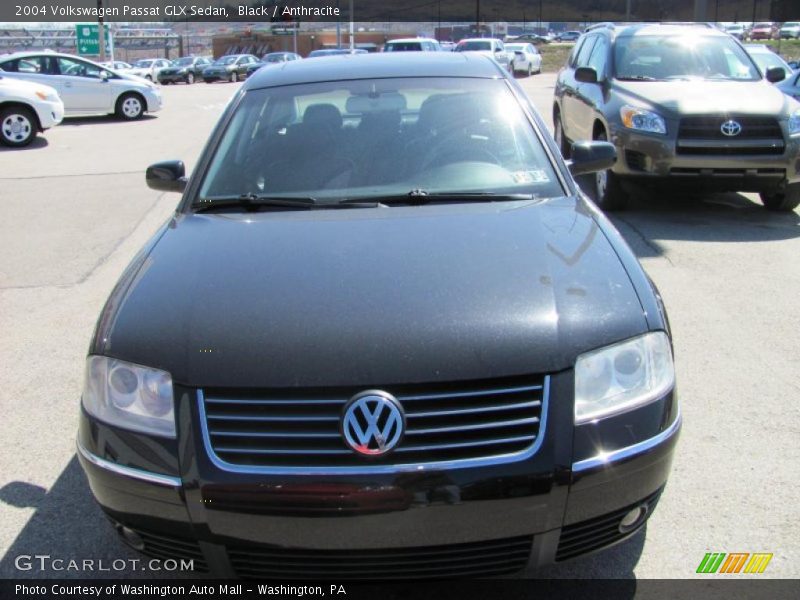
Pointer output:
730, 128
373, 423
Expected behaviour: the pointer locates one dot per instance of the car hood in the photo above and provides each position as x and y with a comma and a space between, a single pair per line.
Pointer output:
372, 296
681, 98
23, 86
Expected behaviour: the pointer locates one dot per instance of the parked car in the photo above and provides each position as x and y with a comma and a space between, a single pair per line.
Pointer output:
718, 124
273, 58
533, 38
527, 58
490, 47
85, 87
767, 59
117, 65
737, 30
791, 85
790, 30
764, 31
149, 68
447, 46
412, 45
568, 36
232, 67
335, 52
27, 108
351, 330
187, 69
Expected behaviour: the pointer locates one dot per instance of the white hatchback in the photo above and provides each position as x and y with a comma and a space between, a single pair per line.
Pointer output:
26, 109
85, 87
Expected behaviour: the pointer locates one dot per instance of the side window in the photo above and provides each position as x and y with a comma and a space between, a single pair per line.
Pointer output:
31, 64
76, 68
500, 46
599, 57
573, 56
582, 60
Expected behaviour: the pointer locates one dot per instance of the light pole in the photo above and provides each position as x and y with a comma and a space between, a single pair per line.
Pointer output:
352, 29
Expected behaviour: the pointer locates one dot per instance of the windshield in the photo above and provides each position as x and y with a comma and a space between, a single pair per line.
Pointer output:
402, 47
792, 24
362, 138
274, 58
476, 45
182, 62
225, 60
661, 58
143, 63
516, 47
767, 60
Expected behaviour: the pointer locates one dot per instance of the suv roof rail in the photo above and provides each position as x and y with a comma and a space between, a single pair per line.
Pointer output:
605, 25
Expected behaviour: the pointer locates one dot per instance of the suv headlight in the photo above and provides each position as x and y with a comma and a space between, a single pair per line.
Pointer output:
623, 376
794, 123
642, 120
129, 396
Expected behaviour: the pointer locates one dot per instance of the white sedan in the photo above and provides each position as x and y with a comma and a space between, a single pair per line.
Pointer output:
85, 87
526, 58
26, 109
149, 68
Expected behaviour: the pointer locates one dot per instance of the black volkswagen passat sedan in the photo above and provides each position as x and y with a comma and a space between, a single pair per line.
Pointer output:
383, 335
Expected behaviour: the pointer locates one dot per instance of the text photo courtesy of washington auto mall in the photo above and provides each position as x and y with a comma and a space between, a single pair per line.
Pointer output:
351, 298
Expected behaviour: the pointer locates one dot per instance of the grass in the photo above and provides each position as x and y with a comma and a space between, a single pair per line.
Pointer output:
788, 49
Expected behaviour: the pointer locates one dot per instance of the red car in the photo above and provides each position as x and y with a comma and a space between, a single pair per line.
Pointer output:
764, 31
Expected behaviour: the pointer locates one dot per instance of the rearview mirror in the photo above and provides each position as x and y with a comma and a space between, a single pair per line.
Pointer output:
590, 157
775, 74
167, 176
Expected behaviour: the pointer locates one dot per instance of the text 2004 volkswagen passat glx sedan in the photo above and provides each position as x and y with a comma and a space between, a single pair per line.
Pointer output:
382, 336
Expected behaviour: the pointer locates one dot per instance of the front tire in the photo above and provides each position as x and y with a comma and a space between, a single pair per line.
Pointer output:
561, 139
130, 106
785, 201
604, 187
17, 126
234, 77
530, 69
189, 78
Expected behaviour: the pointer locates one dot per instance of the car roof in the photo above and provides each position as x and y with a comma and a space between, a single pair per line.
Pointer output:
374, 66
480, 40
665, 29
406, 40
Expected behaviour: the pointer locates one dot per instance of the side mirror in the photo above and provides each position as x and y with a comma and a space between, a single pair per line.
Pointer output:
775, 74
167, 176
586, 75
590, 157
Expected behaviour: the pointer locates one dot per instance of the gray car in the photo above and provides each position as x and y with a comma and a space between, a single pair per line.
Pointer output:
697, 114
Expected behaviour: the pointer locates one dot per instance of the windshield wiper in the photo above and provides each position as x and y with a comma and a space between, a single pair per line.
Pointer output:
252, 202
422, 197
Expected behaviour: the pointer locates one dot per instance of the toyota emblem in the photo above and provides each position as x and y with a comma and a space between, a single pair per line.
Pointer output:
730, 128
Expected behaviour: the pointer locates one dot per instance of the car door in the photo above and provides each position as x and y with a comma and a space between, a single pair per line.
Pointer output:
571, 102
590, 96
81, 86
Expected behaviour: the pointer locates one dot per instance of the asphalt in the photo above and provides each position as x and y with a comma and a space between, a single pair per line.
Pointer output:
74, 210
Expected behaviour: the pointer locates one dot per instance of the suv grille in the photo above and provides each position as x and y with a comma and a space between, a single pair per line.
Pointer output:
702, 135
495, 557
444, 423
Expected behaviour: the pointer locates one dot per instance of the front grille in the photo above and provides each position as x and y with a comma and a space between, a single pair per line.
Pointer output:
703, 136
593, 534
164, 548
476, 559
444, 423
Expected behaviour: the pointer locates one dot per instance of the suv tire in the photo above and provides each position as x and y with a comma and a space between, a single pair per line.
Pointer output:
18, 126
604, 187
560, 137
784, 201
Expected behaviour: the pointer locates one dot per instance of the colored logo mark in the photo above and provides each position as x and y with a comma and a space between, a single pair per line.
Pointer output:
734, 562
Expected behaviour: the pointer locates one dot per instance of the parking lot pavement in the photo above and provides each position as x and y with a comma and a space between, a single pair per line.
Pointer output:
75, 209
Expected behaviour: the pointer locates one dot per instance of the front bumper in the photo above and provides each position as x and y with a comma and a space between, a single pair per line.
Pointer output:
154, 100
50, 114
568, 499
654, 158
172, 77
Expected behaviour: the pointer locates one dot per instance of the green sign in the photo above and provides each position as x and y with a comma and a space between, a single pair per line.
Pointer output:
87, 39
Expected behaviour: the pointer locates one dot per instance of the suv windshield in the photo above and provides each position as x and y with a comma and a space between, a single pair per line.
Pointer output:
226, 60
402, 47
655, 57
364, 138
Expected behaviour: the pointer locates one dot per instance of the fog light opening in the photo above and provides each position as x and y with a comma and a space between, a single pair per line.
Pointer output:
130, 537
633, 519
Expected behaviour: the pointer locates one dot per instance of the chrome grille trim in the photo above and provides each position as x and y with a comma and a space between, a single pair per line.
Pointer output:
503, 458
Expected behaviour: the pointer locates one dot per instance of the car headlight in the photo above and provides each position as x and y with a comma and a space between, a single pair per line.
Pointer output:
129, 396
642, 120
623, 376
794, 123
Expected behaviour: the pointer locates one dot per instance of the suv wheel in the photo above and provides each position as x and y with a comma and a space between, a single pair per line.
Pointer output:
234, 77
784, 201
17, 126
130, 106
604, 187
190, 78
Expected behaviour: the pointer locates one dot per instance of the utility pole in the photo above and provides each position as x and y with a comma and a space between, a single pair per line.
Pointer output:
352, 28
477, 16
338, 27
101, 32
